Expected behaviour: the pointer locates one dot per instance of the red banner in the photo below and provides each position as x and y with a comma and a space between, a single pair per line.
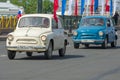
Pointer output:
92, 7
56, 5
107, 7
76, 8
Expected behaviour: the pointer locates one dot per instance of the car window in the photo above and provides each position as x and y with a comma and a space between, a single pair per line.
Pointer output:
92, 22
60, 24
54, 24
108, 23
34, 22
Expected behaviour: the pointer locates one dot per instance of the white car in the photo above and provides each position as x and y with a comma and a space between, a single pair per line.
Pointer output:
37, 33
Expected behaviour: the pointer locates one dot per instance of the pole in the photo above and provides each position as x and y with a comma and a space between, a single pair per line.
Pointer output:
39, 6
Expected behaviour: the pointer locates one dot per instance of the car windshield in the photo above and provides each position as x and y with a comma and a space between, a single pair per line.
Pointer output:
92, 22
34, 22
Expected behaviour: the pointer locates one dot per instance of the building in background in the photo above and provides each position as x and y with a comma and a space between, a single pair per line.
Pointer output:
8, 9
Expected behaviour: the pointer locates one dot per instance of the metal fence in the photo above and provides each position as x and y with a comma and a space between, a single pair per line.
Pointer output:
71, 22
7, 24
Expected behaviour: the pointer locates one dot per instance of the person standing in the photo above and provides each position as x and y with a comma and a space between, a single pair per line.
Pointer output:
115, 17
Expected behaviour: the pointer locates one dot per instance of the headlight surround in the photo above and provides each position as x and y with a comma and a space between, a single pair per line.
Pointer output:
10, 37
75, 33
101, 33
43, 37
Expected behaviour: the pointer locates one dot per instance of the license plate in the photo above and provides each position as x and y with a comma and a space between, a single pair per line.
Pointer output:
87, 41
24, 47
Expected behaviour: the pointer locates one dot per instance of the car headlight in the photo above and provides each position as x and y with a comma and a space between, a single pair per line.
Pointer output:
43, 37
101, 33
10, 37
75, 33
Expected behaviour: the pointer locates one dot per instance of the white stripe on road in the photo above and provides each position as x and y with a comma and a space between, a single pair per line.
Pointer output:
3, 55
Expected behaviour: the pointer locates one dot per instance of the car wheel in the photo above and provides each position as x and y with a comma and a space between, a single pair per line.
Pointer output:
48, 53
105, 43
11, 54
86, 45
114, 43
29, 54
76, 45
62, 51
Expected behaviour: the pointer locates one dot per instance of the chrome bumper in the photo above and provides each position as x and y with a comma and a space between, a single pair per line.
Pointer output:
26, 48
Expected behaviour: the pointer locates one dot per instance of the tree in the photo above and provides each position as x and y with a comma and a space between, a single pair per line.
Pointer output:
2, 0
30, 6
47, 6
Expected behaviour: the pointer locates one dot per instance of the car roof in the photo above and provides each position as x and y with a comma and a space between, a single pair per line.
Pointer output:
36, 15
100, 16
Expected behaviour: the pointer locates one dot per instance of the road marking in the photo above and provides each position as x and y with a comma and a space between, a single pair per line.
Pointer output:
3, 55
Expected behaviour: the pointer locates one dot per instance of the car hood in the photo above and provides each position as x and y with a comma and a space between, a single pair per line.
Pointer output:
90, 29
36, 32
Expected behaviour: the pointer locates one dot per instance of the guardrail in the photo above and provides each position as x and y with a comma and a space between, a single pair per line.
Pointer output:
7, 24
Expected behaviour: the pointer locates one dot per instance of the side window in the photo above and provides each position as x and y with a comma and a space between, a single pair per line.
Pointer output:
59, 23
54, 24
111, 21
108, 23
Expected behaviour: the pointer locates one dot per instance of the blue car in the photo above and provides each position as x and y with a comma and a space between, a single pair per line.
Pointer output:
98, 30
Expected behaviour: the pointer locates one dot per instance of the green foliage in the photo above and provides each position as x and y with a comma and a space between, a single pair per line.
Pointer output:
30, 6
47, 6
2, 0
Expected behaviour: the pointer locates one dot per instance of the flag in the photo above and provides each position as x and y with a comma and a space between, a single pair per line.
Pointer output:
107, 6
91, 6
111, 7
103, 4
114, 8
82, 6
87, 8
63, 6
96, 5
76, 8
19, 14
70, 7
55, 10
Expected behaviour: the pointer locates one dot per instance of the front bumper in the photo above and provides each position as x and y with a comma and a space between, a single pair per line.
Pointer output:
26, 48
88, 41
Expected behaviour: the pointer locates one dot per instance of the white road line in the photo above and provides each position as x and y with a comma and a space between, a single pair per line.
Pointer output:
3, 55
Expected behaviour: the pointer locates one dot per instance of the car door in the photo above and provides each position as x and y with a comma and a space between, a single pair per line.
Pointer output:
113, 30
61, 33
56, 34
110, 30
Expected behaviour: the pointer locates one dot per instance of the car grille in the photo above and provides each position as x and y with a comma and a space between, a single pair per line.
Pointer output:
26, 41
86, 36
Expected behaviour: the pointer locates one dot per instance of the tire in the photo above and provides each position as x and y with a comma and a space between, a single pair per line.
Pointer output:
62, 51
29, 54
104, 45
76, 45
114, 43
48, 53
11, 54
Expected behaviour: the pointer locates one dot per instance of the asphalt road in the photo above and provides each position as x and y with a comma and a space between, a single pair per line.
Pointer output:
92, 63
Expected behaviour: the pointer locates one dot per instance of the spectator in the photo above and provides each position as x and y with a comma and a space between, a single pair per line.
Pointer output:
115, 17
46, 22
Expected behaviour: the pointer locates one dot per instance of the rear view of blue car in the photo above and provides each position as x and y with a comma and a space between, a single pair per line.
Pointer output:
97, 30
